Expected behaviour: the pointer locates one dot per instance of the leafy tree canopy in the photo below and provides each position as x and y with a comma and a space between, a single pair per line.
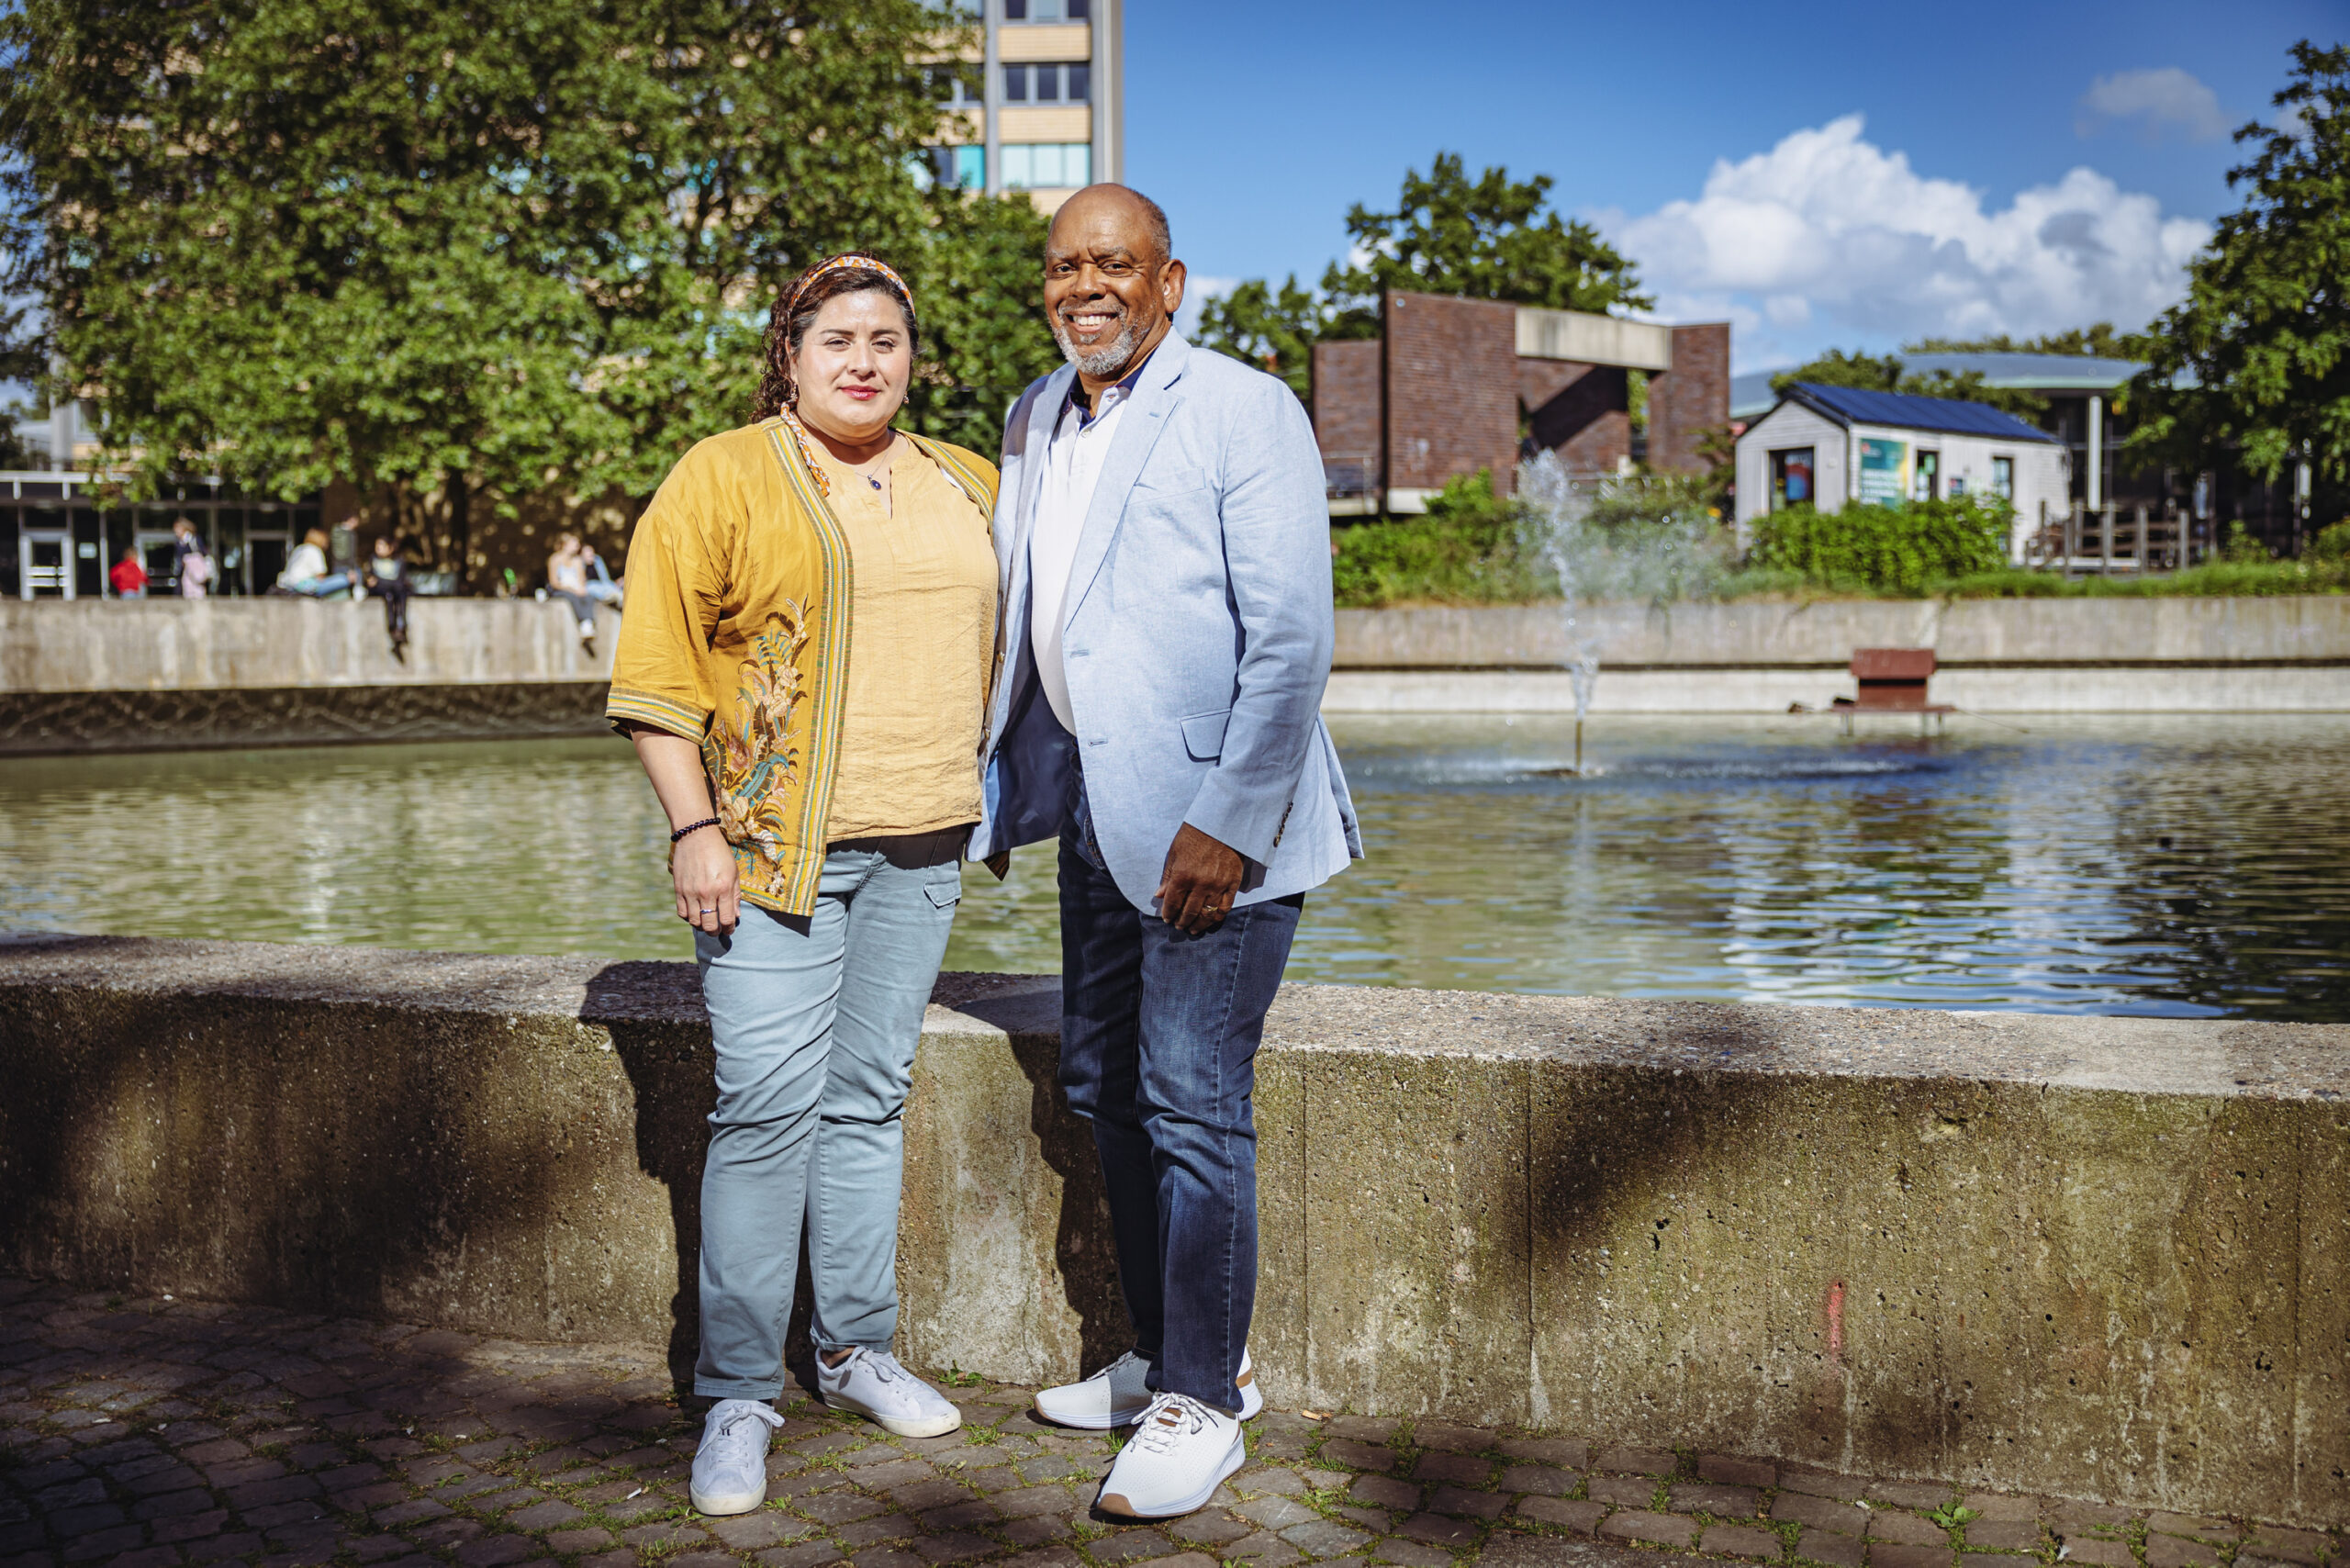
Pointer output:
1494, 238
1274, 330
1884, 372
503, 246
2102, 340
2257, 357
978, 283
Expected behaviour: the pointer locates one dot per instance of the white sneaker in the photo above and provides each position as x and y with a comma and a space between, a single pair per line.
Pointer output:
874, 1385
731, 1466
1177, 1458
1117, 1396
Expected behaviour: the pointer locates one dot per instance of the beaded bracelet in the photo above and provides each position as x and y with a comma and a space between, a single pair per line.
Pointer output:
693, 827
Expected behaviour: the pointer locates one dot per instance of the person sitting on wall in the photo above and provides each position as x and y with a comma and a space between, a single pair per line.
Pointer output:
600, 586
567, 580
386, 577
130, 576
306, 572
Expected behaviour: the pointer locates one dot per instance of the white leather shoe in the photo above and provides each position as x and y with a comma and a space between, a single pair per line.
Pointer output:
1117, 1396
1179, 1455
730, 1474
872, 1384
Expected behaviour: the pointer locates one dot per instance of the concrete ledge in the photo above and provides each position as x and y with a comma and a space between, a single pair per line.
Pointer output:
174, 645
2106, 1258
2304, 630
2228, 688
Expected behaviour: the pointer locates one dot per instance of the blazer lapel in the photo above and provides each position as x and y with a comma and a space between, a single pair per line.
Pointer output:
1139, 427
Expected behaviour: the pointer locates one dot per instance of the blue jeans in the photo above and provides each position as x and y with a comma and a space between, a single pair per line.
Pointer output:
815, 1021
1158, 1051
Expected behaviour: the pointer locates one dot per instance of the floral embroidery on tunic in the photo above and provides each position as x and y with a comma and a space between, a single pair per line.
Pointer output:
752, 764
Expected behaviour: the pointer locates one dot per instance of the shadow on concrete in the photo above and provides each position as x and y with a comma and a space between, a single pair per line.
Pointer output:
673, 1074
1081, 1233
671, 1070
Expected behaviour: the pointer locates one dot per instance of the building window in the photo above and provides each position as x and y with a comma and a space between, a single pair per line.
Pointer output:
957, 87
960, 168
1048, 83
1791, 478
2003, 478
1047, 165
1048, 10
1926, 477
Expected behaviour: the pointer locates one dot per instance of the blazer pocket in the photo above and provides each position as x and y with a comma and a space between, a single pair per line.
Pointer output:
1203, 735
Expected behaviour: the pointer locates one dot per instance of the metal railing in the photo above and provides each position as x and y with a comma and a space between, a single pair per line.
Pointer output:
2114, 540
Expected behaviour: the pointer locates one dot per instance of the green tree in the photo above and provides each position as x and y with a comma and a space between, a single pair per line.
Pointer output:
1273, 330
2102, 341
1494, 238
1871, 373
978, 280
464, 249
2257, 357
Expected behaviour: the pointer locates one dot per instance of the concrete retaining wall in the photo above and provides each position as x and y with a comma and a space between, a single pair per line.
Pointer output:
2104, 1258
171, 645
2015, 655
100, 675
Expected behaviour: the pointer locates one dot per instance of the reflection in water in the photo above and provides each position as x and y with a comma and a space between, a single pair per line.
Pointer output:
2174, 866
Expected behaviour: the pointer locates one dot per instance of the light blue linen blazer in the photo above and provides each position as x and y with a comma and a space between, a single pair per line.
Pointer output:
1196, 639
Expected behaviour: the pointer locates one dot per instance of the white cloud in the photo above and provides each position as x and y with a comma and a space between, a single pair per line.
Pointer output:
2158, 100
1828, 238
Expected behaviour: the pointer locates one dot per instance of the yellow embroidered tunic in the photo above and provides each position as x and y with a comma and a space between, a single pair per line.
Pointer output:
737, 637
918, 664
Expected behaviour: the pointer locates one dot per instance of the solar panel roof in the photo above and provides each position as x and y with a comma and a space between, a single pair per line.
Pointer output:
1851, 405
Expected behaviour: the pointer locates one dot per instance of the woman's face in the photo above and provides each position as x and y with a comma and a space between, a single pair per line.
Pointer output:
853, 365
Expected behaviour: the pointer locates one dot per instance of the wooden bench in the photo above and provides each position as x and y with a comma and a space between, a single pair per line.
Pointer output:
1892, 680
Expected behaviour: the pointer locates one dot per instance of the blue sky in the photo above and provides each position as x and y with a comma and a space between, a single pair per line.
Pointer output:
1817, 173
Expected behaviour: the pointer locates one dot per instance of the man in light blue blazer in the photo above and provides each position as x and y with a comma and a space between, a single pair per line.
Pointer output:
1165, 558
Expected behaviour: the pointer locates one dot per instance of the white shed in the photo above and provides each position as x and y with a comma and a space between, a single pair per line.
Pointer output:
1831, 445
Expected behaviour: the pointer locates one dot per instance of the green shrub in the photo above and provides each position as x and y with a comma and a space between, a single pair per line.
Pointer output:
2212, 579
1464, 550
1900, 549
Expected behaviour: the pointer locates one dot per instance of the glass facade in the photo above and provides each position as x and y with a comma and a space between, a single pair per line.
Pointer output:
1072, 84
958, 168
1925, 477
1791, 478
53, 523
1046, 165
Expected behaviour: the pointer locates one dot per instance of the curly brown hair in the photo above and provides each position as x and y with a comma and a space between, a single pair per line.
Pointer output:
795, 311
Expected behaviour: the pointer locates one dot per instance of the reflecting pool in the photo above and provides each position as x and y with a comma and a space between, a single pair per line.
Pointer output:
2185, 865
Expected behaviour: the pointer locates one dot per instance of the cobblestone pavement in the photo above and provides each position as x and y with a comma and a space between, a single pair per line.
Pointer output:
153, 1433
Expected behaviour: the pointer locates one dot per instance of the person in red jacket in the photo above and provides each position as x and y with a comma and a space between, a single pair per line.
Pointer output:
130, 576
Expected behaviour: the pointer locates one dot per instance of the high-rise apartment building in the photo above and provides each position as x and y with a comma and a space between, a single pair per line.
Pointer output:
1038, 105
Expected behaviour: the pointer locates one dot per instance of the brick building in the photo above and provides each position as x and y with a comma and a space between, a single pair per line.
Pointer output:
1453, 386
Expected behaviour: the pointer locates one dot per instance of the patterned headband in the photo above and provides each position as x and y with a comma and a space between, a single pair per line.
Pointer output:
844, 263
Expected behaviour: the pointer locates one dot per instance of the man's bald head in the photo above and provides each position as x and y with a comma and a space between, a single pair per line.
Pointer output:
1120, 204
1112, 283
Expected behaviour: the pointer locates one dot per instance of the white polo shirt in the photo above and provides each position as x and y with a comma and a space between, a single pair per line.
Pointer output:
1073, 468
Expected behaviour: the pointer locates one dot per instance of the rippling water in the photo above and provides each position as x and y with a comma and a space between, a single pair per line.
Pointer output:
2183, 865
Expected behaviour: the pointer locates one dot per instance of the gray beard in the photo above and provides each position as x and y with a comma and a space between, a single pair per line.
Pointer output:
1108, 360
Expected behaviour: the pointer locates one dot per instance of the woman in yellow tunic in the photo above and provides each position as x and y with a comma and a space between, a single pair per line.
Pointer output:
804, 667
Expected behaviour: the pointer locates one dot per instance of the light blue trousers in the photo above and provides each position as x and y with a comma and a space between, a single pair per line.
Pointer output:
815, 1022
